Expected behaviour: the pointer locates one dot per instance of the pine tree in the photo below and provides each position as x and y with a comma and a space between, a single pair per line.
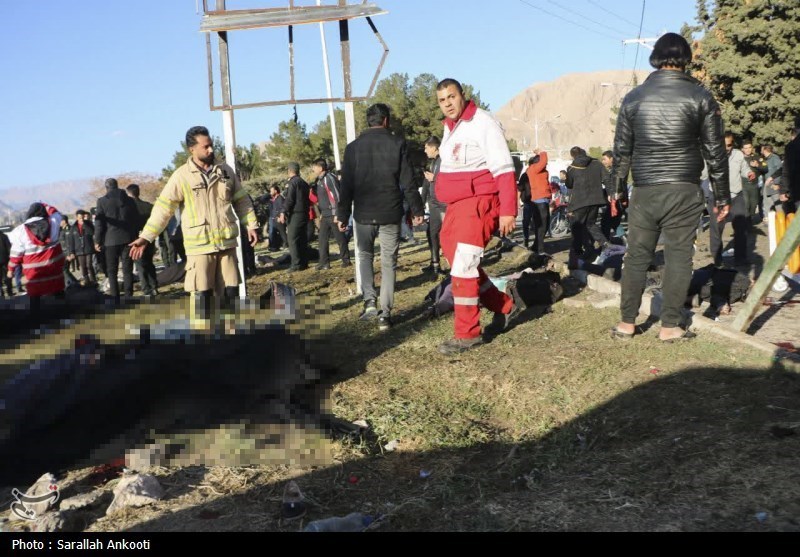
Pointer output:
749, 58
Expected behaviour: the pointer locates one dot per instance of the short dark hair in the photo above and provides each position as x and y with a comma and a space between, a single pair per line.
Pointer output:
133, 189
65, 218
671, 50
747, 142
608, 154
729, 135
322, 163
111, 184
194, 131
433, 141
294, 167
447, 82
377, 113
768, 147
576, 151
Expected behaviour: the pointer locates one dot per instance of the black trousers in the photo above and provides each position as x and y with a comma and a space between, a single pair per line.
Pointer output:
297, 232
87, 269
278, 237
6, 282
327, 228
147, 271
537, 214
434, 230
671, 210
741, 224
585, 231
609, 224
114, 256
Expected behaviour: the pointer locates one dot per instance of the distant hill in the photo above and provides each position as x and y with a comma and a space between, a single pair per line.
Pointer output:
67, 196
575, 109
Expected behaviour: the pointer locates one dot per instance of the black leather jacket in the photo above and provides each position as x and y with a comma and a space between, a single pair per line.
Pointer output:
665, 128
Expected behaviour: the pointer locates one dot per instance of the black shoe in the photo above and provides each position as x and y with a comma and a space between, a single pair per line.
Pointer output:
370, 311
501, 321
384, 322
346, 263
459, 345
323, 266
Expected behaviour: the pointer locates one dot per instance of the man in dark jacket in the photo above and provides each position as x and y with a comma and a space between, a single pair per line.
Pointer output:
277, 230
295, 217
327, 193
789, 190
436, 208
666, 127
117, 219
585, 180
80, 246
377, 175
144, 266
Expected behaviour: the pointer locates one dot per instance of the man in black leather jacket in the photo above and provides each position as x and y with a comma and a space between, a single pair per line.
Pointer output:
665, 129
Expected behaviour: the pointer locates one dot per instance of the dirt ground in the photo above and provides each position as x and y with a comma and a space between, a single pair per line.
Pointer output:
553, 426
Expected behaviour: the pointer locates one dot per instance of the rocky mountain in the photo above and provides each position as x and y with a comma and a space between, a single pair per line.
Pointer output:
67, 196
575, 109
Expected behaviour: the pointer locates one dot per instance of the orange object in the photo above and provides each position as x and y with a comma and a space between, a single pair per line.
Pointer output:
782, 222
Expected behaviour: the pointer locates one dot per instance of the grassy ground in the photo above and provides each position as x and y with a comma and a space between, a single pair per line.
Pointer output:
552, 426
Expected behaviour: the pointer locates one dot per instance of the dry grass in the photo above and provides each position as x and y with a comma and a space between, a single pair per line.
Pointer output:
553, 426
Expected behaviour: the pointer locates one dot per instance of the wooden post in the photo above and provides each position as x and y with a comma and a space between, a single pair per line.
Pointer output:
773, 268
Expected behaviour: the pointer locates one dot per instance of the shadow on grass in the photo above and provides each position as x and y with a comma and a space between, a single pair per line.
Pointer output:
702, 449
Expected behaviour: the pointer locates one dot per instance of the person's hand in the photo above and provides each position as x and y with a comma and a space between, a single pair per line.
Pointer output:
97, 248
507, 225
751, 176
722, 212
416, 221
537, 151
10, 274
784, 197
137, 248
252, 235
342, 226
428, 176
282, 218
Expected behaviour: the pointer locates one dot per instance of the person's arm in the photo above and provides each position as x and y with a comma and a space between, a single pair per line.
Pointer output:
501, 165
290, 198
243, 205
712, 147
100, 219
408, 184
166, 203
623, 152
346, 186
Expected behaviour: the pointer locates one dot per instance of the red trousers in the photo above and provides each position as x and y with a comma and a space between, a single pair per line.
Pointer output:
468, 226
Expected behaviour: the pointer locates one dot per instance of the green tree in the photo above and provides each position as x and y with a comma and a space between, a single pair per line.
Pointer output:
749, 58
289, 144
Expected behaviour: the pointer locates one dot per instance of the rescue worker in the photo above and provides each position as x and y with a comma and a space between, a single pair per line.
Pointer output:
476, 180
207, 194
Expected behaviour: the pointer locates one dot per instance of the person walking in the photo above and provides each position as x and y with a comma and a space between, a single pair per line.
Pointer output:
376, 178
327, 193
666, 127
145, 268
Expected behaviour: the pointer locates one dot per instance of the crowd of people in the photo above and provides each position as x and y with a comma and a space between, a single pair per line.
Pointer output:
671, 162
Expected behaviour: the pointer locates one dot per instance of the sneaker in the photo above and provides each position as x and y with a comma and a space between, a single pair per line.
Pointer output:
370, 311
501, 321
384, 322
459, 345
323, 266
293, 505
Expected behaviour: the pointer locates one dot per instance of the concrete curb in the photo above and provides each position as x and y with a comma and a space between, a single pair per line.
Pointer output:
651, 306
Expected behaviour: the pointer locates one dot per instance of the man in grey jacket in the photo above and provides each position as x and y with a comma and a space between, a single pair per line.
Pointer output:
738, 170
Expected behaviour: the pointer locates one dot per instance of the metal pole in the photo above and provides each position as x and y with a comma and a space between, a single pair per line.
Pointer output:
229, 134
331, 112
772, 269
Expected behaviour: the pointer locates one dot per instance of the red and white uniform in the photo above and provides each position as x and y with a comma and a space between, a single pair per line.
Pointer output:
477, 182
42, 261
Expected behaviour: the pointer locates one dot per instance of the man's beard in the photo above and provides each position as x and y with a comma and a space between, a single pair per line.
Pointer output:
208, 160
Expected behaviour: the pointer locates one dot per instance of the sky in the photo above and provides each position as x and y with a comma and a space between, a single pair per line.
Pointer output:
96, 88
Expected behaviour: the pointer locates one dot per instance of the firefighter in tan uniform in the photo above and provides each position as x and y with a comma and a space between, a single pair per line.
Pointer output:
207, 195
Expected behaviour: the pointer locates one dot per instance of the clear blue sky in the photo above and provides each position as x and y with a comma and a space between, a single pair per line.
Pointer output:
100, 87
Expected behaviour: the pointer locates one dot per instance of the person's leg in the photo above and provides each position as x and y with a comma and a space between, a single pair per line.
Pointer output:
112, 268
715, 230
284, 234
540, 212
595, 234
366, 234
643, 233
325, 225
605, 221
341, 240
149, 270
684, 206
296, 230
127, 269
389, 235
578, 231
527, 216
437, 217
750, 191
741, 225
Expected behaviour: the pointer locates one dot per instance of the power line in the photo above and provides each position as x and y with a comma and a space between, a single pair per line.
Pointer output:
628, 21
583, 16
567, 20
639, 38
